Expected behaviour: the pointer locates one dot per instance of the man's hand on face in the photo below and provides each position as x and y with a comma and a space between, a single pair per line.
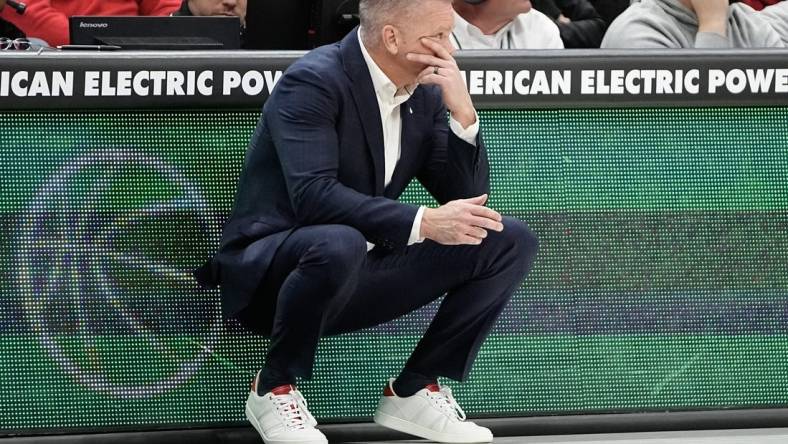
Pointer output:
442, 70
712, 15
460, 222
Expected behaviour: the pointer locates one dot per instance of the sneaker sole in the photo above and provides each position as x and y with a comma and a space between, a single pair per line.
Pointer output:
414, 429
266, 440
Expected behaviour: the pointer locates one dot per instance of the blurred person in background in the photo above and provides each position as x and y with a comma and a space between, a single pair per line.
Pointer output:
502, 24
580, 24
610, 9
48, 19
206, 8
690, 24
231, 8
8, 30
777, 16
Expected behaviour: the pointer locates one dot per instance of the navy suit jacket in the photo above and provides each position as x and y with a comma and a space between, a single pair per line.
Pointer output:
317, 157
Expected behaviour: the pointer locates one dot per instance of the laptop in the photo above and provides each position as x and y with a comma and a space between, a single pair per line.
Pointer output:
157, 33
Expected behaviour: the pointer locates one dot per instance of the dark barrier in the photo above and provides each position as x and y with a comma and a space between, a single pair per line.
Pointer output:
496, 79
662, 282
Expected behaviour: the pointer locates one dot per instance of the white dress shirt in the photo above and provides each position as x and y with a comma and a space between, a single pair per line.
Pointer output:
532, 30
389, 101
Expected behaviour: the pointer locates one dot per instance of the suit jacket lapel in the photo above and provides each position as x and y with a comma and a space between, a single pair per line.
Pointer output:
366, 101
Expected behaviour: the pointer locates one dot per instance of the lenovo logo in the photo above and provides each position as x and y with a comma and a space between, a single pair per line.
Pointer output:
93, 25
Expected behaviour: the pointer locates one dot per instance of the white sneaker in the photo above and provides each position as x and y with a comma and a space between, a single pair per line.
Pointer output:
431, 413
281, 416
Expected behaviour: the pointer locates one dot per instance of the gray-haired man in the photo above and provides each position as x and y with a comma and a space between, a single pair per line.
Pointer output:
317, 243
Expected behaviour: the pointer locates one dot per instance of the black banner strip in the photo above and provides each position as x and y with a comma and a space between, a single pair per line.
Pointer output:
496, 79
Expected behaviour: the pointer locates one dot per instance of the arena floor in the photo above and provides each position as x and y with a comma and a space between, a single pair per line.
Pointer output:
743, 436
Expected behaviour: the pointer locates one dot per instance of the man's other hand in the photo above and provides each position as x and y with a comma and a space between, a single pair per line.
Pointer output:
460, 222
442, 70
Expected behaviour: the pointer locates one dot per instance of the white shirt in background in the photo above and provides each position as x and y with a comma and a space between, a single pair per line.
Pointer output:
389, 101
532, 30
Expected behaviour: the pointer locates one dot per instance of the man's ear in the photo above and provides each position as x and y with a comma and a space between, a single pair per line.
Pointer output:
391, 39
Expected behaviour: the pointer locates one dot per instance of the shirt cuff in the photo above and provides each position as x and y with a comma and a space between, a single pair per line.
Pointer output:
415, 230
711, 40
467, 134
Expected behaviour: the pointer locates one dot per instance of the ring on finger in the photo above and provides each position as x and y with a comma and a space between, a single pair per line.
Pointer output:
435, 70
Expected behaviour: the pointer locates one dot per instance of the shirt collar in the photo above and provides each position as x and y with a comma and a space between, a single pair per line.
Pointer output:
385, 89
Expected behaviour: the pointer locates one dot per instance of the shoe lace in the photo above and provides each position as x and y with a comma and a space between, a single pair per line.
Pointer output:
445, 402
292, 408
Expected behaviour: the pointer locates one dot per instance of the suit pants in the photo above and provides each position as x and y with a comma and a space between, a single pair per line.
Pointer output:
323, 282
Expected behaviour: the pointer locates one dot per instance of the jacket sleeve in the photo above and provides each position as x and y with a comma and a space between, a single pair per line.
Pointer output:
586, 28
454, 169
301, 117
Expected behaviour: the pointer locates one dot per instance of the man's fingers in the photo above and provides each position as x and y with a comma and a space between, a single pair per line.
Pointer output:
477, 208
468, 240
483, 222
489, 213
426, 71
478, 200
430, 70
430, 60
431, 79
464, 229
477, 232
437, 48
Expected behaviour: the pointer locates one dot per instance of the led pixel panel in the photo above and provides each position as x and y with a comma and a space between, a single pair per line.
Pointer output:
661, 282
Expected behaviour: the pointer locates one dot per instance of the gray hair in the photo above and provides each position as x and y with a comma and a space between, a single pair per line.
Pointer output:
375, 14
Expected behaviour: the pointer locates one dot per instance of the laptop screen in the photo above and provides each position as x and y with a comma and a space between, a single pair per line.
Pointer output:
133, 32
